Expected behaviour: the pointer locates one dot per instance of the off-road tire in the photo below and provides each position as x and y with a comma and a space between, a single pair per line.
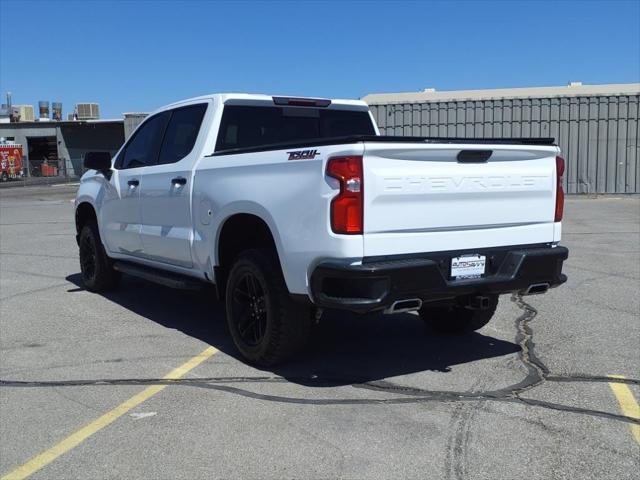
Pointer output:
458, 319
98, 274
268, 309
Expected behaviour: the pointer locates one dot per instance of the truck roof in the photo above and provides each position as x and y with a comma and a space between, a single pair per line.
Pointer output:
256, 98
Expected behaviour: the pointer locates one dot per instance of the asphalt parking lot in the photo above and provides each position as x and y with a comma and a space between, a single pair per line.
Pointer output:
89, 387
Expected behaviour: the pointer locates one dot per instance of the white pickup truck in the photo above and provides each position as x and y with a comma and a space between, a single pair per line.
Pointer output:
293, 205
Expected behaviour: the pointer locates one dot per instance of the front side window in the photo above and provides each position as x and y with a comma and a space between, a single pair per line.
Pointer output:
182, 132
144, 147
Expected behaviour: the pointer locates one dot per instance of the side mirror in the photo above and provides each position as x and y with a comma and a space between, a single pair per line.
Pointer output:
100, 161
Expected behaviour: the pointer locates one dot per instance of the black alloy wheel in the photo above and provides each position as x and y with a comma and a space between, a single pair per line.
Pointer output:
88, 257
96, 267
250, 309
266, 325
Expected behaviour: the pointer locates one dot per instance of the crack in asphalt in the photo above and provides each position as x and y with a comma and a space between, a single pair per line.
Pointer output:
459, 437
538, 373
590, 378
422, 396
35, 274
45, 255
35, 290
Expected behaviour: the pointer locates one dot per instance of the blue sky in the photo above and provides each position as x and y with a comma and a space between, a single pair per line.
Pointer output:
136, 56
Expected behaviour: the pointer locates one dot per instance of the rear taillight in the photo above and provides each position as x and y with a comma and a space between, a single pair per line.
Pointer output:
347, 210
559, 189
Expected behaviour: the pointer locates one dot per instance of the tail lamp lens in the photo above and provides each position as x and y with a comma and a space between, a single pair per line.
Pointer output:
559, 189
347, 210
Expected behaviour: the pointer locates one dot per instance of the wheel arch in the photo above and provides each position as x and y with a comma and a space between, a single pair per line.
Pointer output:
85, 212
237, 233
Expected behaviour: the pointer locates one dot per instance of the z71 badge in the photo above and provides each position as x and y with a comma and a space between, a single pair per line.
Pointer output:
303, 154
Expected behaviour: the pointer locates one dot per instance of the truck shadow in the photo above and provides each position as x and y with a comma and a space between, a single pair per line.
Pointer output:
344, 349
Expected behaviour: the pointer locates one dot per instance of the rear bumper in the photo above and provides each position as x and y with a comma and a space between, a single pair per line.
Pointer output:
379, 282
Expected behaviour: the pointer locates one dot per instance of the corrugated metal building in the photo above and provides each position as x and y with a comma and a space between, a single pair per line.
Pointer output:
131, 122
596, 126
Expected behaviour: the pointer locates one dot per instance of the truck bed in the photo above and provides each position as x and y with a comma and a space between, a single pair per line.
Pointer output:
386, 139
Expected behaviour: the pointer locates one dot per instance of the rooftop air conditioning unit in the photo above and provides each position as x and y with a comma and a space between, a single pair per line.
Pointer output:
88, 111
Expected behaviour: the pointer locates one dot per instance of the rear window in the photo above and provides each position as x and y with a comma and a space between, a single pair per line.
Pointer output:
252, 126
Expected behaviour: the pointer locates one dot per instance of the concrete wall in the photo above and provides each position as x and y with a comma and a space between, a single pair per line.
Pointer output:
598, 135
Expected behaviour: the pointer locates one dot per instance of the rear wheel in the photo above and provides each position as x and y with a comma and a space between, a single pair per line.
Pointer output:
457, 318
97, 271
4, 177
266, 325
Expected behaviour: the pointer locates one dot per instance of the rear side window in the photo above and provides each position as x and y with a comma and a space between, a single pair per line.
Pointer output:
253, 126
143, 148
181, 133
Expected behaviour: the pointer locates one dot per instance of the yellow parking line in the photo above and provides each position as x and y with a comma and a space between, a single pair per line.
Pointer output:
76, 438
628, 403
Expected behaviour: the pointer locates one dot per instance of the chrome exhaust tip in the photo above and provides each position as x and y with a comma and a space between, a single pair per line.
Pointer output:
536, 289
401, 306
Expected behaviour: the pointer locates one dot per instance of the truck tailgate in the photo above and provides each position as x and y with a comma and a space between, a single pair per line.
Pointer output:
424, 198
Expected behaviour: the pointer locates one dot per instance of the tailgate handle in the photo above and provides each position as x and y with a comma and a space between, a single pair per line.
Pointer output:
474, 156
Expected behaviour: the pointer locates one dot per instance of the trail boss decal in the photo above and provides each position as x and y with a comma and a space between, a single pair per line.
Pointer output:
303, 154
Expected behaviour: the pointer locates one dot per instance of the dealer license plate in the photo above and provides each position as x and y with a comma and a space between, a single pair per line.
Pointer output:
468, 266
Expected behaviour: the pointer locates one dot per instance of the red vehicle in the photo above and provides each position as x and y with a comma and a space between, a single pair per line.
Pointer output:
10, 161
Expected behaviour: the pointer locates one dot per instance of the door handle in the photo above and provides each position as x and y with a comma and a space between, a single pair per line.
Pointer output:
178, 181
133, 183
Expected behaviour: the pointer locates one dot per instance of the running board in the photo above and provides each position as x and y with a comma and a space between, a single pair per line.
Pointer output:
168, 279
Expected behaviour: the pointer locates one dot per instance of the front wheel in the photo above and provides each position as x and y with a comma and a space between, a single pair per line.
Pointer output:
4, 177
97, 272
457, 318
266, 325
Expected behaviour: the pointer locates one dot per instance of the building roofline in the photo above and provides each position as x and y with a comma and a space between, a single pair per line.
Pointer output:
59, 123
571, 90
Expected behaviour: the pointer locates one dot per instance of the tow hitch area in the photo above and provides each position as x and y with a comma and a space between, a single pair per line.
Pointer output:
478, 302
